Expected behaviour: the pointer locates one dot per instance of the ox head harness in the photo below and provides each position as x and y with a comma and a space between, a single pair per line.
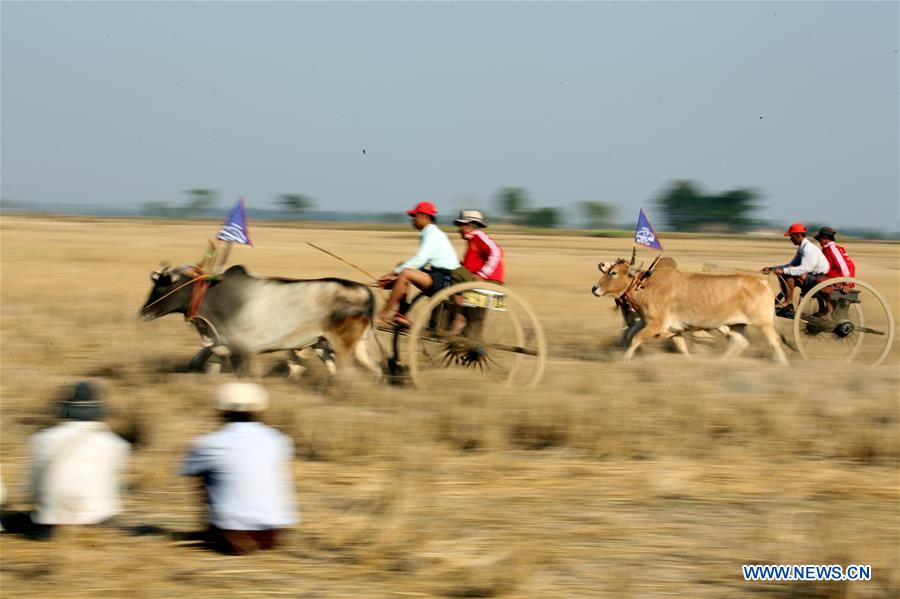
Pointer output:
199, 282
637, 283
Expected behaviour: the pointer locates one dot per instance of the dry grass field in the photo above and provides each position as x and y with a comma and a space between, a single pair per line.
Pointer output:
658, 478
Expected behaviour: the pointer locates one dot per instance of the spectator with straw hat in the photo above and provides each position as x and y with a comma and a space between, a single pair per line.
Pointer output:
245, 468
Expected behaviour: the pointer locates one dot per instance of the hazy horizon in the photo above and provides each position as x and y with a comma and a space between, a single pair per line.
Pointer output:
120, 104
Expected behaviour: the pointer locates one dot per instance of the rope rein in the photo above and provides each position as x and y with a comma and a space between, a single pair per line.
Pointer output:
182, 286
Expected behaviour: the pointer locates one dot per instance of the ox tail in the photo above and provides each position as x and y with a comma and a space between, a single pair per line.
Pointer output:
351, 319
364, 307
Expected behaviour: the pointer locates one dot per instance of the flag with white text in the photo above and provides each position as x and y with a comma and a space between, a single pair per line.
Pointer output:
644, 234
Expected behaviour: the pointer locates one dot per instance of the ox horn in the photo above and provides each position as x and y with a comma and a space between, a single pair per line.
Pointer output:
633, 255
208, 255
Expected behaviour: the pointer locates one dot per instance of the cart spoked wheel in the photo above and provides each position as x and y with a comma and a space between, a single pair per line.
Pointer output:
498, 339
838, 322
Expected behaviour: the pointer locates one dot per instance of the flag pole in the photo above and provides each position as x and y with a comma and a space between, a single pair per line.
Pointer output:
222, 258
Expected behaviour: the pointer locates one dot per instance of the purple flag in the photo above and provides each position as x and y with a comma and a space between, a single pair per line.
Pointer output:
644, 234
235, 228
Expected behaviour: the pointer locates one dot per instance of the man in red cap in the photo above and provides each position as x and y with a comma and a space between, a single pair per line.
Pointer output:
435, 252
808, 262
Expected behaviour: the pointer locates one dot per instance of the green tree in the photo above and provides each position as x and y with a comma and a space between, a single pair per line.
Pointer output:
513, 202
200, 200
598, 214
295, 202
156, 209
542, 217
687, 208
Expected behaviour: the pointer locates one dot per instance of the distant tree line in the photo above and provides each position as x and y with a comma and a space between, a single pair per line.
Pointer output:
687, 208
684, 207
515, 205
204, 202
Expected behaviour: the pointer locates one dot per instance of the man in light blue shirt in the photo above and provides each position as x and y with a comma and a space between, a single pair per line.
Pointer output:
435, 251
800, 272
246, 471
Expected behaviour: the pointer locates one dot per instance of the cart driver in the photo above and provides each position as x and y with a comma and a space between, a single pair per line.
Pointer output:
431, 269
801, 271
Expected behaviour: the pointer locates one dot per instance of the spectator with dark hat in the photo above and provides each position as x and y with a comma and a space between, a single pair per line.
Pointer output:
77, 469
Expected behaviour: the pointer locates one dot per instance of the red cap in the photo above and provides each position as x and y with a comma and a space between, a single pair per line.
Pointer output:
426, 208
795, 228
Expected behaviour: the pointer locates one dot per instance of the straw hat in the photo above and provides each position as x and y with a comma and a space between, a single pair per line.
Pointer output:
241, 397
470, 217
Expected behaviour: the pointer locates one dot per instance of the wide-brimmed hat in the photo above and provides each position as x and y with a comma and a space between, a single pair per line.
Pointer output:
241, 397
82, 403
825, 232
795, 228
423, 207
470, 217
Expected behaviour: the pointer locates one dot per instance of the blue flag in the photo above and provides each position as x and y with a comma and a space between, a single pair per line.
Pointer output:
235, 228
644, 234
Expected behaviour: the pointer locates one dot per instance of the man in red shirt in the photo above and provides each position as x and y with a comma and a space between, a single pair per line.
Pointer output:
839, 265
483, 258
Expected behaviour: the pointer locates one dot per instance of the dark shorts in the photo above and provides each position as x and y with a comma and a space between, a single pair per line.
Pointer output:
810, 282
440, 280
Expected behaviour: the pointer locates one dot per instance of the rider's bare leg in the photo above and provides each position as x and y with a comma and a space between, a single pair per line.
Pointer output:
459, 318
420, 279
790, 283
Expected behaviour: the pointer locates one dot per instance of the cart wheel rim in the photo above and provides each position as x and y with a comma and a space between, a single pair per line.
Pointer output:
410, 354
861, 336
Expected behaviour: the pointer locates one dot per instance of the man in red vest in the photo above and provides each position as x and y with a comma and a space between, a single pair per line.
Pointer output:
839, 265
483, 260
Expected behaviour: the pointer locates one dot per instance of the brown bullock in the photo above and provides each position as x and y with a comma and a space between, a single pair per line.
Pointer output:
672, 302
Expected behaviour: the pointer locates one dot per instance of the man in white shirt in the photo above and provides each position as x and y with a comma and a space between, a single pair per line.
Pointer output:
801, 271
77, 469
245, 467
435, 250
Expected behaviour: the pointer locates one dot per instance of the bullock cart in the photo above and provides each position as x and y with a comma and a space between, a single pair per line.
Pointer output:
843, 319
502, 342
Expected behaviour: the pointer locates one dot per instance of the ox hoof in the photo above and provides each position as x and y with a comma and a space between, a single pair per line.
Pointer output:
295, 372
212, 369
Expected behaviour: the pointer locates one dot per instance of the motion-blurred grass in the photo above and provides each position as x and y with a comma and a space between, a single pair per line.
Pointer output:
657, 478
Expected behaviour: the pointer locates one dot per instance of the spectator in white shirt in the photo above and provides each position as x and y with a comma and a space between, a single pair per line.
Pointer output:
77, 469
245, 467
801, 271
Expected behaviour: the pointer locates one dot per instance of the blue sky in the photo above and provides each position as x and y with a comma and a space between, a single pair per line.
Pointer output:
121, 103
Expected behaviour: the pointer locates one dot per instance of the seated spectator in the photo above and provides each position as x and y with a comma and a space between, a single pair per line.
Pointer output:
245, 468
77, 469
